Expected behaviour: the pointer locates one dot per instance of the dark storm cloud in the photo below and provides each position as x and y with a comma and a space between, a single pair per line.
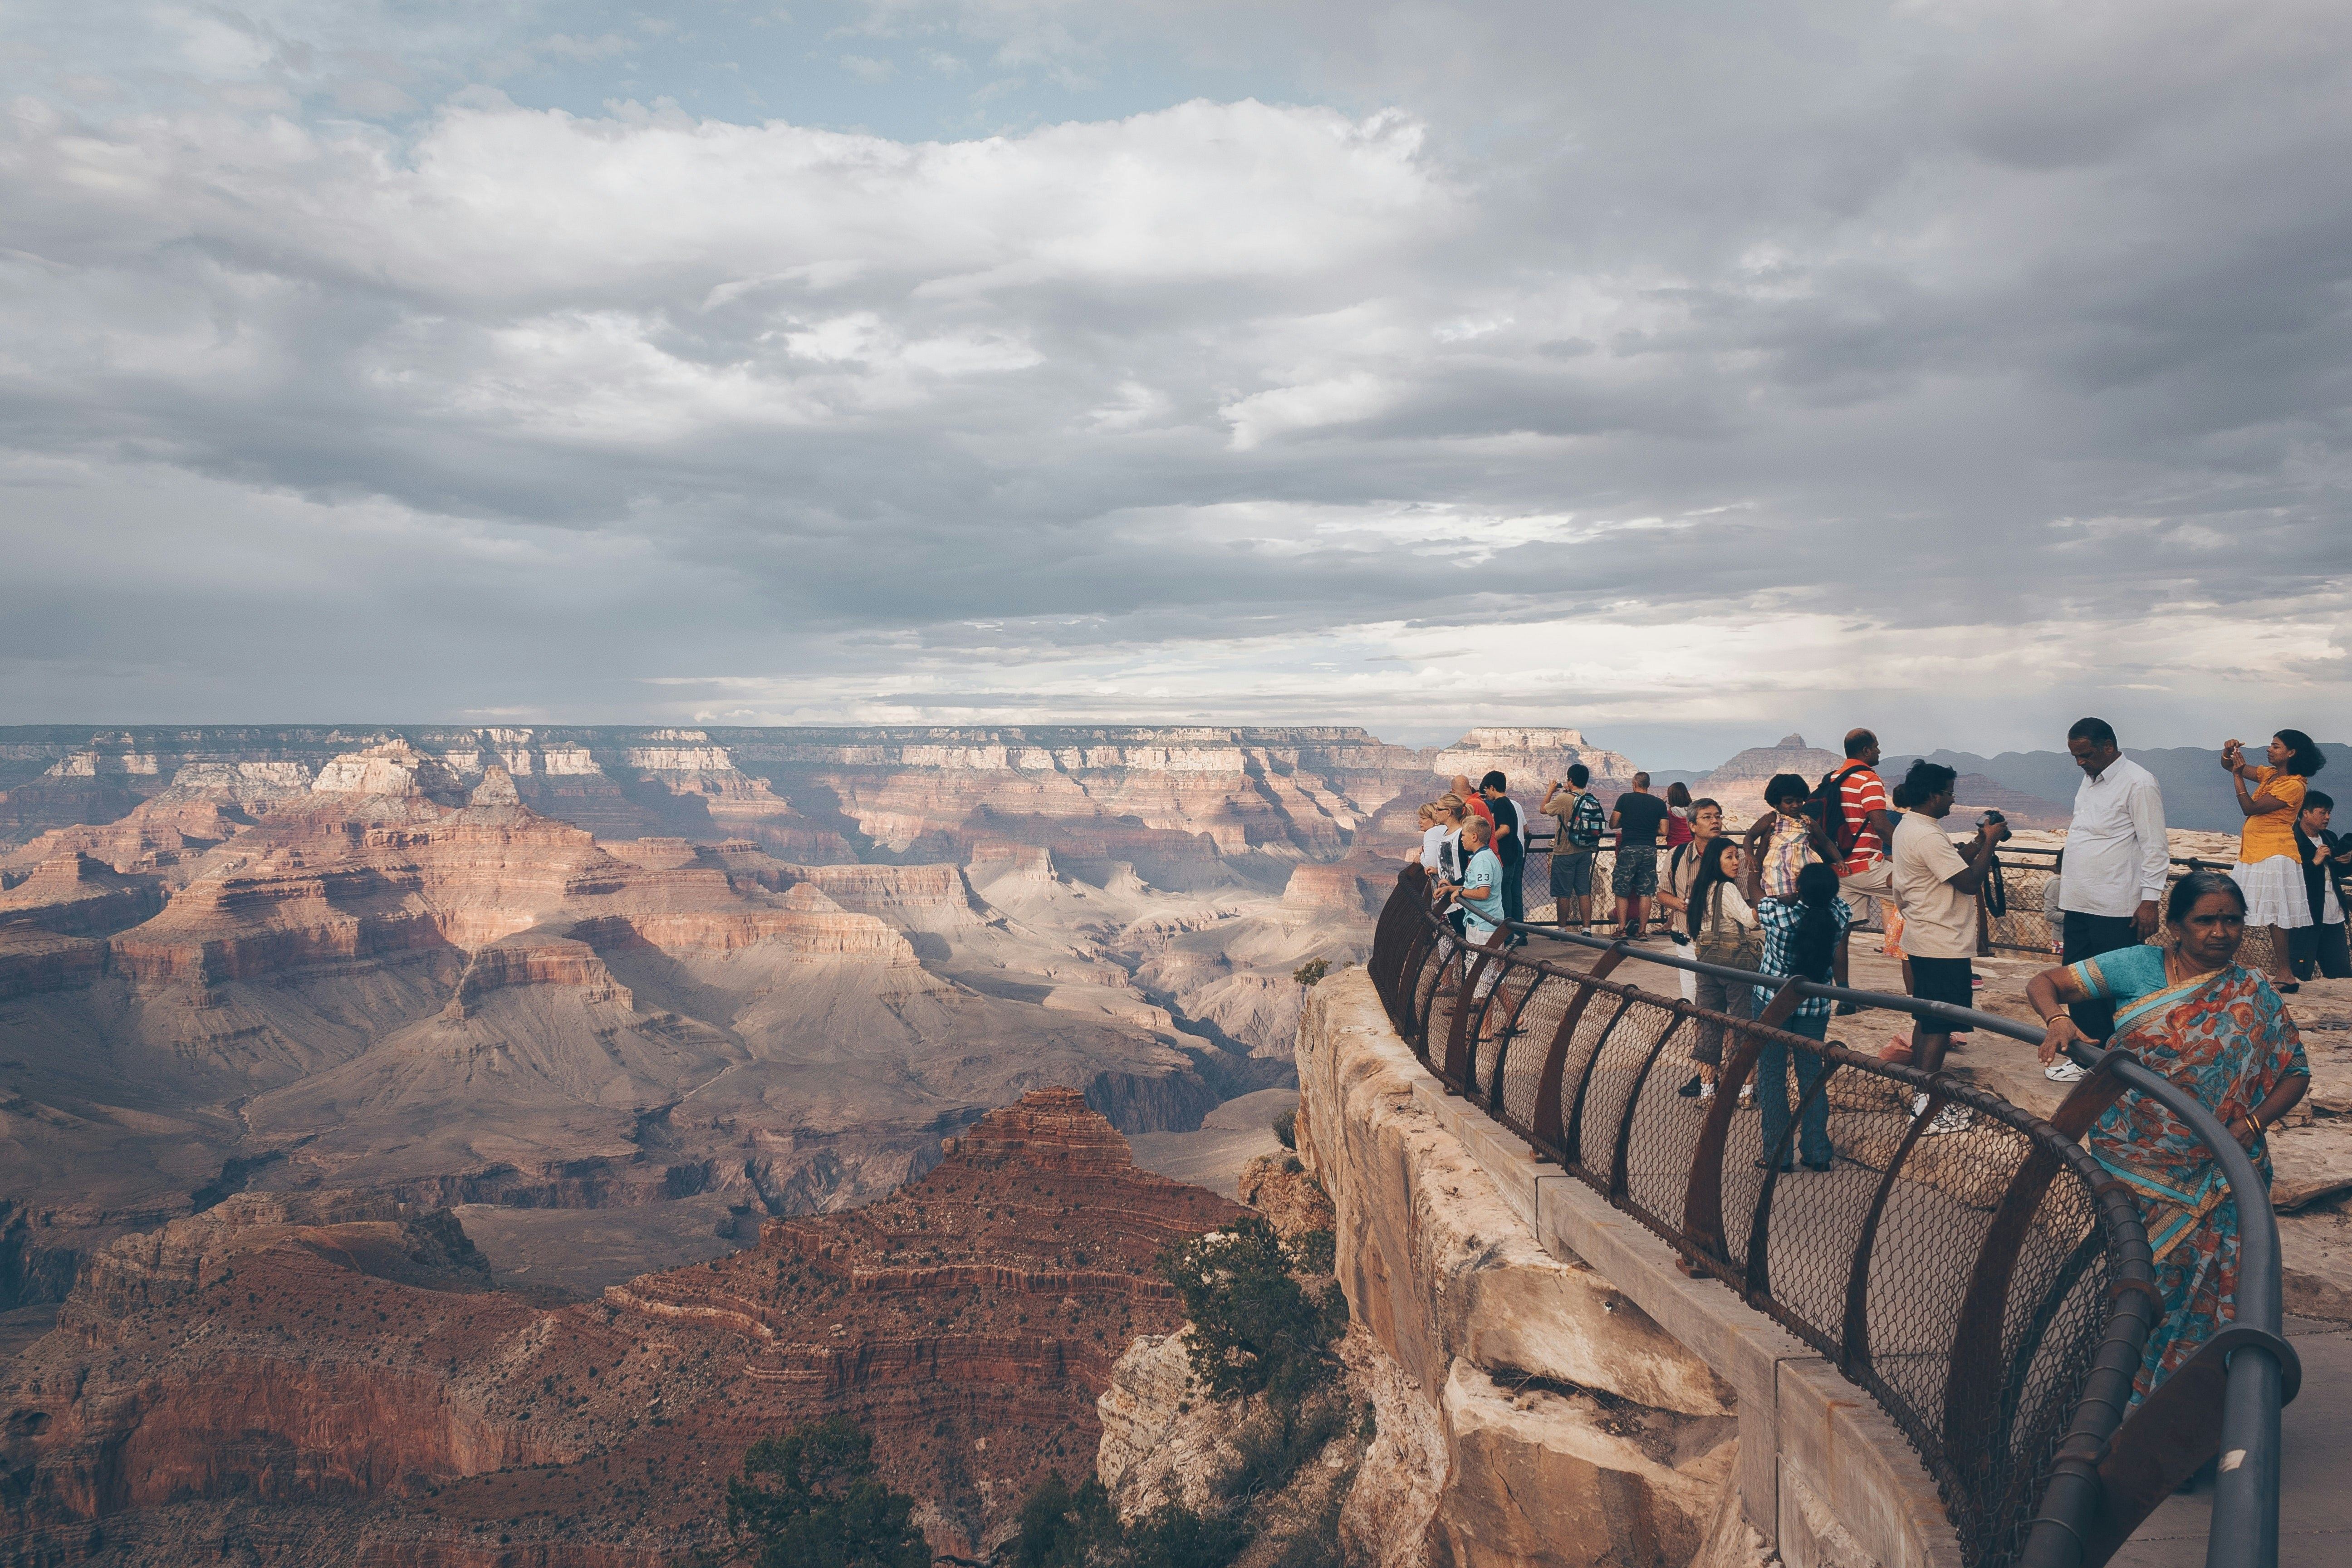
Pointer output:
1830, 326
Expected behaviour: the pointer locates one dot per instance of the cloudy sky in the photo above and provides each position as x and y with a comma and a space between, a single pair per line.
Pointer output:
1690, 372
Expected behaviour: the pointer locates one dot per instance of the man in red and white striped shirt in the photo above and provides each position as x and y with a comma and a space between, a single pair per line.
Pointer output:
1864, 827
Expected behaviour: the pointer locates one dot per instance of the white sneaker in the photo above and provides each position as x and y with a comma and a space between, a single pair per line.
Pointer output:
1747, 1096
1951, 1119
1705, 1093
1919, 1104
2063, 1071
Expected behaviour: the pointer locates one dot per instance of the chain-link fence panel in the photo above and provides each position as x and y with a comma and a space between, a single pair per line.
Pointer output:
1963, 1279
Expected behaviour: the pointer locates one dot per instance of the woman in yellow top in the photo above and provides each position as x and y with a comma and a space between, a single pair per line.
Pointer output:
2270, 862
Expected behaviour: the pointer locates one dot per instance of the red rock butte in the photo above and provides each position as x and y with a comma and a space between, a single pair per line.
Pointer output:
292, 1384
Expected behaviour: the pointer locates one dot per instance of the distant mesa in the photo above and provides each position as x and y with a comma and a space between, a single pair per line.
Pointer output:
1528, 758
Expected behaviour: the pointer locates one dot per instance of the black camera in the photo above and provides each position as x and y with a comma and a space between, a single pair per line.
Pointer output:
1990, 817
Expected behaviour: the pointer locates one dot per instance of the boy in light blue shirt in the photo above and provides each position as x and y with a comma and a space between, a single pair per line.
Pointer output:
1480, 892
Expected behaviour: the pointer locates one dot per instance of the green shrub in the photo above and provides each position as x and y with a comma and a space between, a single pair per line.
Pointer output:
1255, 1328
1285, 1128
1318, 1251
1064, 1529
1060, 1528
809, 1499
1312, 971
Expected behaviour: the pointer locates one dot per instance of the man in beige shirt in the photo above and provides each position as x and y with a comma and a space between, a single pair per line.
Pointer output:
1936, 888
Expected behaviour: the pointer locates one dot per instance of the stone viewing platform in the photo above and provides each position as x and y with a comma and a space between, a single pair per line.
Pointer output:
1600, 1404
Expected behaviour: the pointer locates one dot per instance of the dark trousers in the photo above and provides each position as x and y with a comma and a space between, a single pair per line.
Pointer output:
2087, 936
1515, 887
1772, 1093
2321, 950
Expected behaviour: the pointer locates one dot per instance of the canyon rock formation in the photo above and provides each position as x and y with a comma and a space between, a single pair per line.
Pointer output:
576, 970
330, 1378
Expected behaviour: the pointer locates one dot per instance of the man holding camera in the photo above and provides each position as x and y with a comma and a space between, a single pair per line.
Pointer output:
1936, 888
2112, 876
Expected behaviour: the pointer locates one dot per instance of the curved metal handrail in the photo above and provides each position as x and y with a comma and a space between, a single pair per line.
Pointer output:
2263, 1370
2097, 1490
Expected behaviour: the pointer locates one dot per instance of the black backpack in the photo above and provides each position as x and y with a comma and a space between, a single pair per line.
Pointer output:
1825, 807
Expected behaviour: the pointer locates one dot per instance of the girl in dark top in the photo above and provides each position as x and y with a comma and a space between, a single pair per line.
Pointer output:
1801, 938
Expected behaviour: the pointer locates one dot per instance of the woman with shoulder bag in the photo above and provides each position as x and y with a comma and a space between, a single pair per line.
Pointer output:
1681, 876
1723, 930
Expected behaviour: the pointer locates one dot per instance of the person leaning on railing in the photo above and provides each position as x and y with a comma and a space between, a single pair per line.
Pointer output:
1452, 859
2190, 1011
1479, 894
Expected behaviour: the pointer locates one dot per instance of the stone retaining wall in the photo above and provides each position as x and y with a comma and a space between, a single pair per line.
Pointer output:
1599, 1406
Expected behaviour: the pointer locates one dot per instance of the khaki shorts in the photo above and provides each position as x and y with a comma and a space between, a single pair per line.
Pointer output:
1875, 880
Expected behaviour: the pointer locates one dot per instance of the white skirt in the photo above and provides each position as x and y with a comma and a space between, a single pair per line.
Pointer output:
2276, 893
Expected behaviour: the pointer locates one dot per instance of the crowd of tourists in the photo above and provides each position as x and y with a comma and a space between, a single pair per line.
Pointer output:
2148, 962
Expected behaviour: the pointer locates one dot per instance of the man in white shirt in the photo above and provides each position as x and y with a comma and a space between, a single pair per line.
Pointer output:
1936, 888
2117, 855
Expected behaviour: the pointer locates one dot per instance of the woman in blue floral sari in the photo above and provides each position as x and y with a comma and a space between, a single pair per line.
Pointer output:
2190, 1011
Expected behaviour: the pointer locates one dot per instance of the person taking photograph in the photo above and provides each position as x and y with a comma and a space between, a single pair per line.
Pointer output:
1936, 887
2270, 867
1582, 823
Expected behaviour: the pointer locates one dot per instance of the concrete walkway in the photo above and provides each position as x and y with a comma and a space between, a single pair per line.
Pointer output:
2315, 1501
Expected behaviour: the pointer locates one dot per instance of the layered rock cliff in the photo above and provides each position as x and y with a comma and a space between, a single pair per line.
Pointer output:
336, 1386
403, 977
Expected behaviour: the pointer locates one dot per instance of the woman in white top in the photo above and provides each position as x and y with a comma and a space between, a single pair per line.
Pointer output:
1433, 836
1724, 929
1681, 876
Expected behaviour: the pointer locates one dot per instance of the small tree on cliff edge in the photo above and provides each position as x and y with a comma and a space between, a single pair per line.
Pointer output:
1254, 1329
809, 1499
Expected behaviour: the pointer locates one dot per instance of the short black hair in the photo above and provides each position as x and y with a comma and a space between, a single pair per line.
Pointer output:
1641, 780
1927, 780
2318, 800
1781, 787
2098, 731
1494, 780
1578, 774
1858, 742
2308, 758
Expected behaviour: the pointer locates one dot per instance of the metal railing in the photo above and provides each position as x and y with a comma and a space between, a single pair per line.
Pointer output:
1992, 1290
2014, 922
2020, 925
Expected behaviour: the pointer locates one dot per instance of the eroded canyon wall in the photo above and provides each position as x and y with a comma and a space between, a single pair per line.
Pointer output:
331, 1379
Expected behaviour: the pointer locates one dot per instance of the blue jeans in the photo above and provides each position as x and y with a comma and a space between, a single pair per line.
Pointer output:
1772, 1093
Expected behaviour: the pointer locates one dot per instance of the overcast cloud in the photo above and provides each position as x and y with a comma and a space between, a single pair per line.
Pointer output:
1687, 372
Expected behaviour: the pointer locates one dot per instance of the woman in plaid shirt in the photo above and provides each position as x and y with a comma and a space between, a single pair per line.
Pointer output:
1801, 938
